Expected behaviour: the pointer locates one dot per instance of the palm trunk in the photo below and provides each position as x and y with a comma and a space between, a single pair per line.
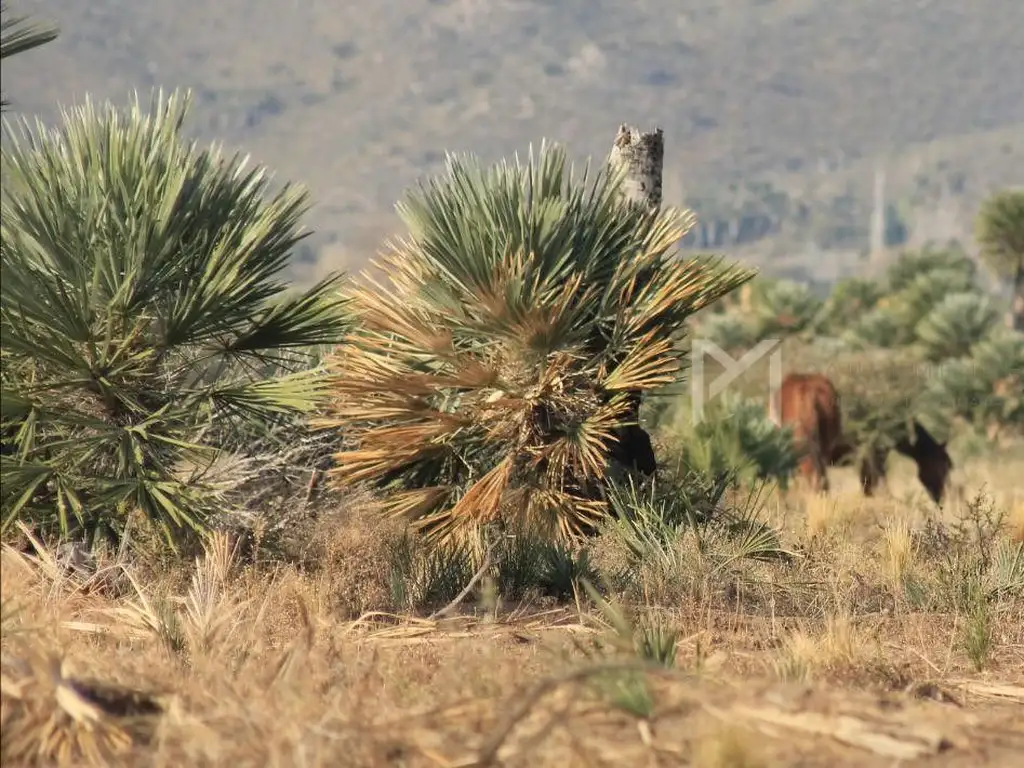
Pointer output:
1015, 317
640, 157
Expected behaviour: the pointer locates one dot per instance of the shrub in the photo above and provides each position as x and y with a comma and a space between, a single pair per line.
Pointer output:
729, 330
735, 437
849, 301
142, 309
784, 307
679, 534
922, 295
983, 389
953, 261
878, 327
955, 324
879, 395
492, 370
1000, 232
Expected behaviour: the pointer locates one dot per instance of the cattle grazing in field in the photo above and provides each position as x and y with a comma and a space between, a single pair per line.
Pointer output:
809, 403
933, 462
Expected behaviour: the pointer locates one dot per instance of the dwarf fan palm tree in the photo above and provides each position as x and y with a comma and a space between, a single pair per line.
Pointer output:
492, 371
142, 306
956, 323
784, 307
849, 300
1000, 232
911, 264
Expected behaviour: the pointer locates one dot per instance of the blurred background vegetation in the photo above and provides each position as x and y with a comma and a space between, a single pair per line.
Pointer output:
158, 364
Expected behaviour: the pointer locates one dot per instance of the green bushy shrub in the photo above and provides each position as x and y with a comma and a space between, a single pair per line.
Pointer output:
142, 307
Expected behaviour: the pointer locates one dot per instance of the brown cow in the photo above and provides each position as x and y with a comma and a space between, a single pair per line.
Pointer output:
810, 404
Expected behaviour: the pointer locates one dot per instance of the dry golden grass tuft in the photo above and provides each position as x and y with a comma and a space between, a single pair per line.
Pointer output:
1016, 522
728, 747
876, 634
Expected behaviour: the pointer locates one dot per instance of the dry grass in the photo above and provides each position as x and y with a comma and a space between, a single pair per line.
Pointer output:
854, 653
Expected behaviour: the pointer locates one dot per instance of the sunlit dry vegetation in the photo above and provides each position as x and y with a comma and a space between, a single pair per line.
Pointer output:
350, 654
469, 515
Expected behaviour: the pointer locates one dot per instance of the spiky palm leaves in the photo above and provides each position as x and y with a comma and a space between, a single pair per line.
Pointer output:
784, 307
849, 300
17, 37
985, 388
736, 439
142, 307
955, 324
495, 365
1000, 233
918, 282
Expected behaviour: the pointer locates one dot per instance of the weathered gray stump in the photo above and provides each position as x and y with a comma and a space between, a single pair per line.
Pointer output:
640, 158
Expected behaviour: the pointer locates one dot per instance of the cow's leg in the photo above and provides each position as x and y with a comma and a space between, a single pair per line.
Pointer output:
812, 467
807, 471
822, 473
868, 480
872, 474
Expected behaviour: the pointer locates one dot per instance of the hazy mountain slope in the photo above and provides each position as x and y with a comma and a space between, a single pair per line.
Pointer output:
357, 99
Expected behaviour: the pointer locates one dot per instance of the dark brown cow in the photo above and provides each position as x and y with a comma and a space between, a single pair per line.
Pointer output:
810, 404
933, 462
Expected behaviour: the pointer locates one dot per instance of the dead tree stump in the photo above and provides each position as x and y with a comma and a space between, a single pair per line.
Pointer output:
640, 158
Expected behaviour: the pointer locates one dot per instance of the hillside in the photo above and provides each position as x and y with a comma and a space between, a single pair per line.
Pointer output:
775, 111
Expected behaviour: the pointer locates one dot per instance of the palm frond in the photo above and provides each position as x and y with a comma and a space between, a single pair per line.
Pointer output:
525, 304
143, 311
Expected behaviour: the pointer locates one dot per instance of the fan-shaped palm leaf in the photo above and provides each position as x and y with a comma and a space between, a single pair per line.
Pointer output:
141, 305
526, 307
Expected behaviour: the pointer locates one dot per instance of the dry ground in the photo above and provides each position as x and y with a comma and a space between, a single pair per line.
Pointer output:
821, 662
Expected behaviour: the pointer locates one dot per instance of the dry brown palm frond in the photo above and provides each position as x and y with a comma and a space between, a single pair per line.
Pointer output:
357, 466
650, 363
524, 306
418, 502
478, 506
584, 454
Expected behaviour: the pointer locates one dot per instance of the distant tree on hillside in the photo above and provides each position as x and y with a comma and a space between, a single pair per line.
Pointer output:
1000, 232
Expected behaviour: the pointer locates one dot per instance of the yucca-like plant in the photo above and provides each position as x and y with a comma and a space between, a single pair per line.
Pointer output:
920, 296
735, 437
958, 322
912, 264
728, 330
878, 327
783, 307
984, 389
849, 301
143, 307
493, 371
1000, 233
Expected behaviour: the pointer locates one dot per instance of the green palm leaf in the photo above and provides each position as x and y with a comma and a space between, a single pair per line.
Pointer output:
519, 317
142, 307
